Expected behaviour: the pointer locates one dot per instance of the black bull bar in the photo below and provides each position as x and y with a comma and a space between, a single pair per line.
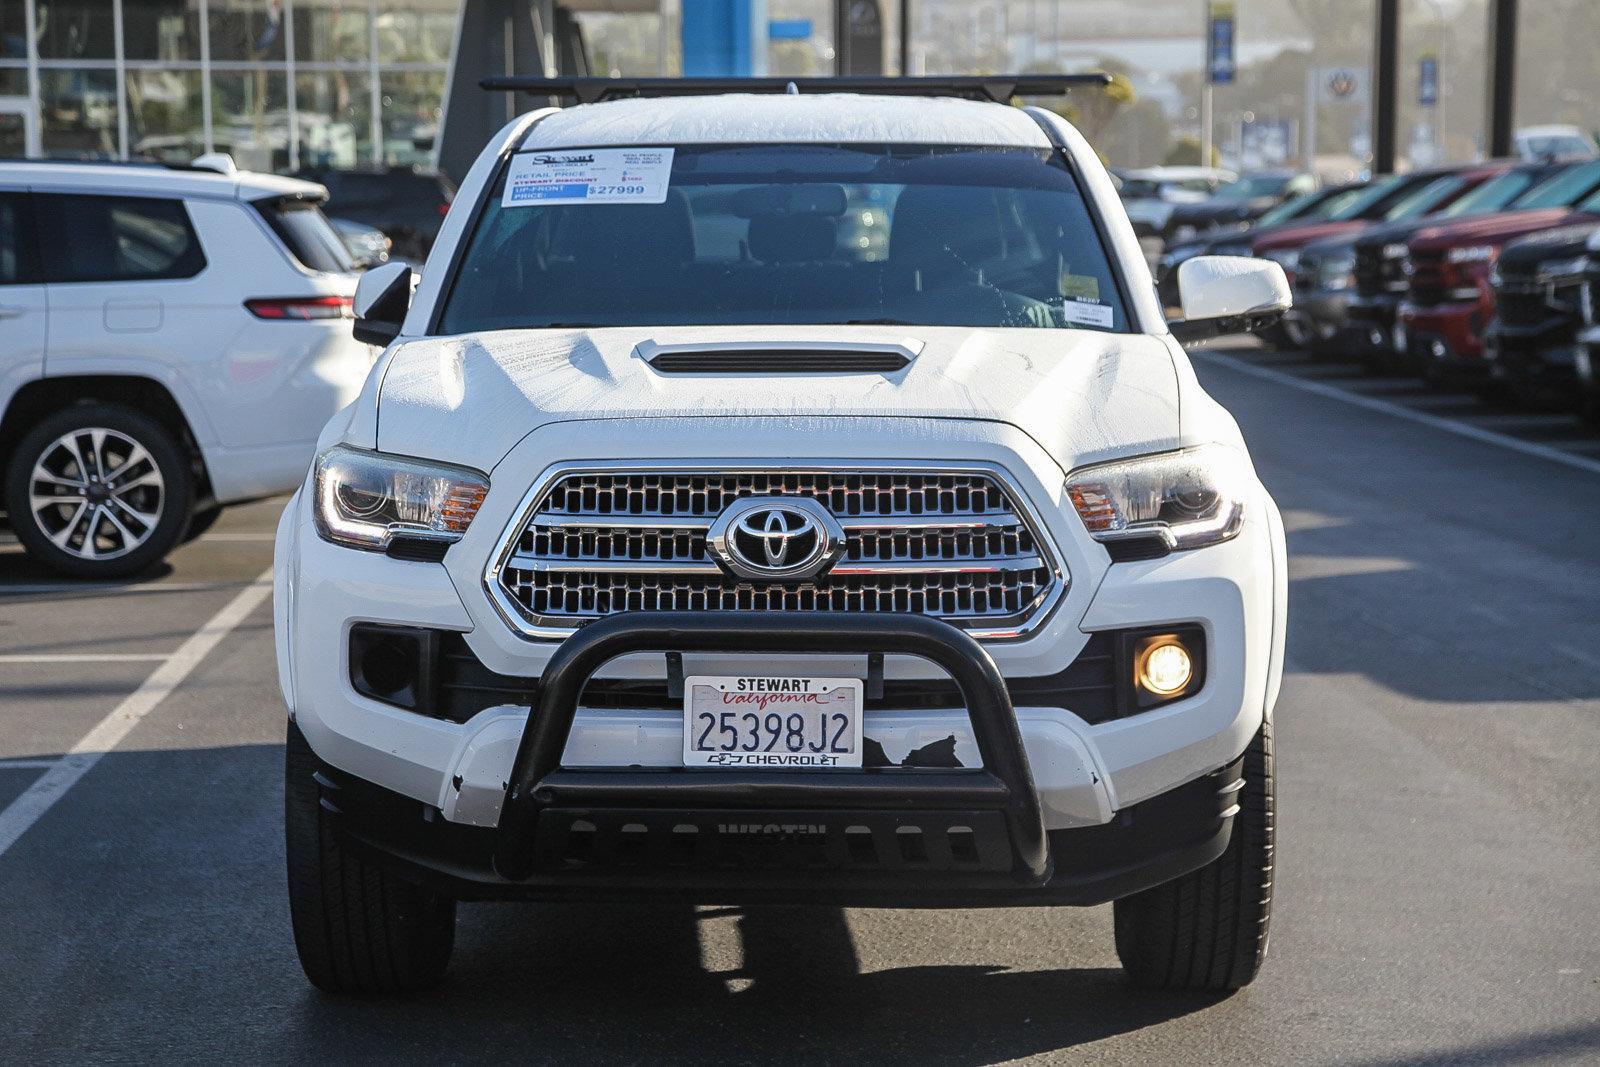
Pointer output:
539, 785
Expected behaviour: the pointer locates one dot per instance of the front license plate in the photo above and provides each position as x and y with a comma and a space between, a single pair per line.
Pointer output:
767, 722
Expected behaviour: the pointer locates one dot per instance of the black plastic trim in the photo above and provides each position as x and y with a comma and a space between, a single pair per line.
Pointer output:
539, 782
998, 88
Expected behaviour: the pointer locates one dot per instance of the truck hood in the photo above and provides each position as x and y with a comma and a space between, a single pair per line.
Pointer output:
1082, 395
1563, 242
1490, 229
1281, 237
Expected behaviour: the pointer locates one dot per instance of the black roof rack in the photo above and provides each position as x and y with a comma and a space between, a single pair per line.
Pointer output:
999, 88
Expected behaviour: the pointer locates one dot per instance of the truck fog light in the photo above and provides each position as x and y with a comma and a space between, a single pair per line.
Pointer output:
1376, 337
1163, 666
1439, 350
394, 664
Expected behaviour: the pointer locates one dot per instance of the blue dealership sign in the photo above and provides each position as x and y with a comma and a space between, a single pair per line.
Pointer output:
1428, 81
1220, 66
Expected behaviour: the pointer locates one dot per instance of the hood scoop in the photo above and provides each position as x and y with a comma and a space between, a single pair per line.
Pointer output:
779, 357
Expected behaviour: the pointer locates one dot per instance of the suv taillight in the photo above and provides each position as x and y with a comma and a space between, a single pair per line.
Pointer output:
300, 308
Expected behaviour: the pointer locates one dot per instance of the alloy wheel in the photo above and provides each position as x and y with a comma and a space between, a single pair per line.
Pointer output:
96, 493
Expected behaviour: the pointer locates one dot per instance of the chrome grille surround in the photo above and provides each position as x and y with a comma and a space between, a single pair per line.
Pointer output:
957, 542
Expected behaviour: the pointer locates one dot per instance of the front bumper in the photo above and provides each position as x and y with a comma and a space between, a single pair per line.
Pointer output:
1370, 329
1448, 338
1539, 361
1087, 771
1324, 313
799, 856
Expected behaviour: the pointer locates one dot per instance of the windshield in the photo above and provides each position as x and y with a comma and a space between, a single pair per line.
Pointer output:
307, 234
1365, 199
1306, 207
748, 234
1564, 189
1250, 188
1423, 200
1492, 195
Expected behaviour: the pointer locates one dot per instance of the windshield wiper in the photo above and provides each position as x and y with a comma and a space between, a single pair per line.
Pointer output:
879, 322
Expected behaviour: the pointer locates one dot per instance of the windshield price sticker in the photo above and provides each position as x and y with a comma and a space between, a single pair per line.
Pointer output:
765, 723
588, 176
1088, 314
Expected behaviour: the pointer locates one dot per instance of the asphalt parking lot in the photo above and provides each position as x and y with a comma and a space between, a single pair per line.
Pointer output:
1439, 745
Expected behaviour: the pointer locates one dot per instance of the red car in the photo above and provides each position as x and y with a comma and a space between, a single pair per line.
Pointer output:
1449, 302
1282, 244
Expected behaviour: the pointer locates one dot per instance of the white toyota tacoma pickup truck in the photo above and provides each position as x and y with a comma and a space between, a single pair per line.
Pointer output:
788, 495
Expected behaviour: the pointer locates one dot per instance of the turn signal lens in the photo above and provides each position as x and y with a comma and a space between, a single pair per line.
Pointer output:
1163, 666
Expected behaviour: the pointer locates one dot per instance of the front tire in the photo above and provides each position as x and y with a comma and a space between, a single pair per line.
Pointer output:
1207, 931
99, 491
358, 928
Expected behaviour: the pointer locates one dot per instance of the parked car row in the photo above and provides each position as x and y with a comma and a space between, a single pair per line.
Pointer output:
1481, 276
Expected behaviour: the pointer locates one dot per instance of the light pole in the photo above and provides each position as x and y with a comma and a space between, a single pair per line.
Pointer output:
1438, 107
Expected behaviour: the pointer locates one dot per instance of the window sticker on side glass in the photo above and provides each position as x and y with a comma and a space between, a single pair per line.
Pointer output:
588, 176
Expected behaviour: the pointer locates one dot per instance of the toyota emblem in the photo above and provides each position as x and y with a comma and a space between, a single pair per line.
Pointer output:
776, 538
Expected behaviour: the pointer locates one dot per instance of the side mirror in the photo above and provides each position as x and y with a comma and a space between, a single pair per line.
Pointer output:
1229, 294
383, 295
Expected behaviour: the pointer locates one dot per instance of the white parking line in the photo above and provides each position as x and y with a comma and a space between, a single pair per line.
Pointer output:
88, 657
1488, 437
112, 588
27, 764
109, 732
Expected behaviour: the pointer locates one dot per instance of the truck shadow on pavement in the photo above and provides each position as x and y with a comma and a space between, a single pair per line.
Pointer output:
629, 983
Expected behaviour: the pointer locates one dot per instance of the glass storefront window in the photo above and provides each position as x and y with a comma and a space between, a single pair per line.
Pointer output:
75, 29
332, 31
335, 109
78, 113
411, 108
165, 122
250, 30
13, 29
250, 118
161, 29
417, 31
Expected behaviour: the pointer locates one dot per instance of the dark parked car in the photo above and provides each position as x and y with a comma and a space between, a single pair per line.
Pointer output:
1235, 240
1587, 357
1326, 279
1380, 255
1449, 302
1538, 292
1242, 201
406, 204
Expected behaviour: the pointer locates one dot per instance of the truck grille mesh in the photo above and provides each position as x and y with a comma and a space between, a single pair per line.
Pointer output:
951, 545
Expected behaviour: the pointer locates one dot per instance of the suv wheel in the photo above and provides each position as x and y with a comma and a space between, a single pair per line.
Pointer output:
99, 491
1207, 931
357, 926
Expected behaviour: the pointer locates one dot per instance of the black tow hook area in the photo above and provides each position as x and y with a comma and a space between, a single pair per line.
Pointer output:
851, 810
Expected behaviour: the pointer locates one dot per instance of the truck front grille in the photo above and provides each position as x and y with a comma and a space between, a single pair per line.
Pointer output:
954, 545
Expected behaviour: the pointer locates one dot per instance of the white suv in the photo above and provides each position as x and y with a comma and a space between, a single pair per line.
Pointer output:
693, 537
173, 341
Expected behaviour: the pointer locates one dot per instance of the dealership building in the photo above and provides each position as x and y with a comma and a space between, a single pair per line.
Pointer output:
278, 83
284, 84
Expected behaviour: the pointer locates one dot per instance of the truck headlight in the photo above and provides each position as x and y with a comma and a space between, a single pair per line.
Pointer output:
1174, 500
367, 500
